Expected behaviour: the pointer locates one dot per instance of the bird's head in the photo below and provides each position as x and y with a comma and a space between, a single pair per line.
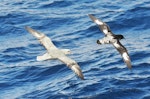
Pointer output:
66, 51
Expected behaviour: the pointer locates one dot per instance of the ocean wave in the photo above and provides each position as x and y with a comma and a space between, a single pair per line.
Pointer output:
57, 4
68, 25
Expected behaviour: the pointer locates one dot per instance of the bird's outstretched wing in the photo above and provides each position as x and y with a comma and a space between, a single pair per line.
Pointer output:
44, 40
123, 51
72, 65
47, 43
102, 25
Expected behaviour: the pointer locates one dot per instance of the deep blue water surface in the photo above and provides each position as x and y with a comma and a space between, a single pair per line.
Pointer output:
67, 24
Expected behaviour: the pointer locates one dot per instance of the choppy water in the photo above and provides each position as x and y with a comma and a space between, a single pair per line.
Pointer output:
67, 24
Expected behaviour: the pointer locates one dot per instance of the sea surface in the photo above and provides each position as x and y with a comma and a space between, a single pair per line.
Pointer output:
67, 23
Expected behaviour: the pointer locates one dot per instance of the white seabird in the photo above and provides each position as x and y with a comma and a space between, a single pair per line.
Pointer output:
113, 39
54, 53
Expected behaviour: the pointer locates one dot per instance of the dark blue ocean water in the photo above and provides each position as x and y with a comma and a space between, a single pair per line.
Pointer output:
67, 24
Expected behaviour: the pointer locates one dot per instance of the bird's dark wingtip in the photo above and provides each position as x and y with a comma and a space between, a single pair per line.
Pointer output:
27, 28
81, 76
130, 68
90, 15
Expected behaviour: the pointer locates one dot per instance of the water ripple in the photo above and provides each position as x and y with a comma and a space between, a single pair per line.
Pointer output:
68, 25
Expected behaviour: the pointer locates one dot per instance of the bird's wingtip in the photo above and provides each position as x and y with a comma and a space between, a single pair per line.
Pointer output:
90, 15
77, 71
82, 77
130, 67
26, 27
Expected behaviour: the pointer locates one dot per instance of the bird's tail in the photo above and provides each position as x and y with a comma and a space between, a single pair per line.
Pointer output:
119, 37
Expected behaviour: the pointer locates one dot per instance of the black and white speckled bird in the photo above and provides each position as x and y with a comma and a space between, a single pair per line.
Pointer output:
113, 39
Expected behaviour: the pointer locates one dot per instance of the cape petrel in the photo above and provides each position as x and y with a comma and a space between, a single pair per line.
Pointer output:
113, 39
54, 53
